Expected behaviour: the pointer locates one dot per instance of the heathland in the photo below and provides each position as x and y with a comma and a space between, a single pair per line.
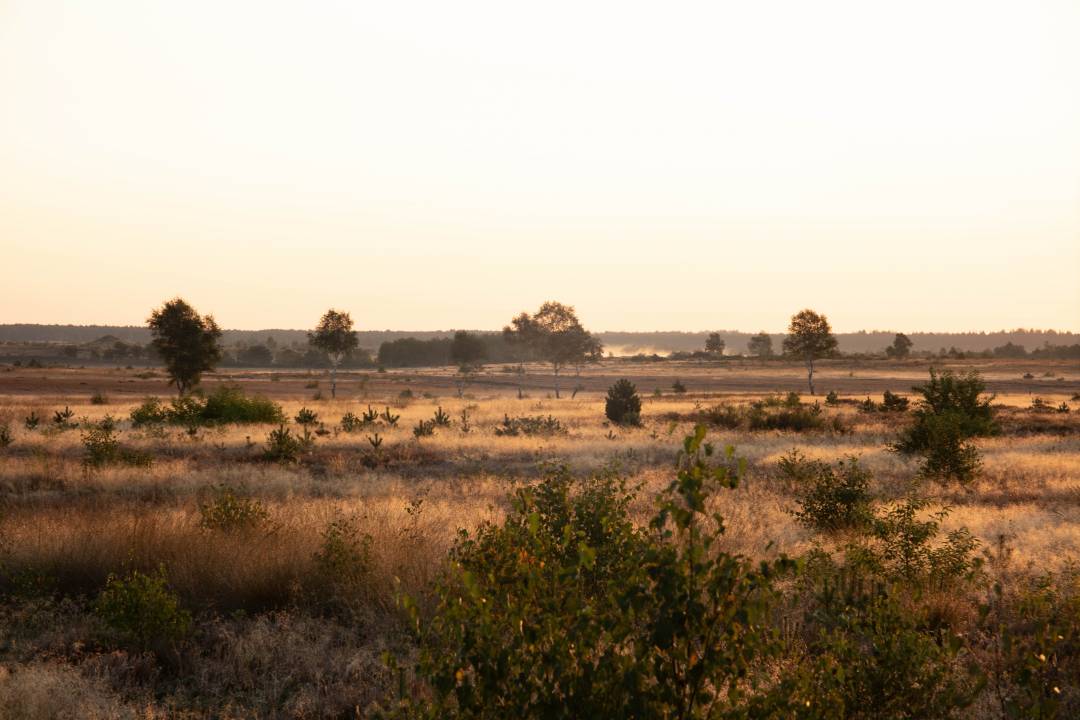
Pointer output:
163, 565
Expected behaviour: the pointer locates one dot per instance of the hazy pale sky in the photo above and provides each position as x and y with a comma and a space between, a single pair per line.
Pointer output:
668, 165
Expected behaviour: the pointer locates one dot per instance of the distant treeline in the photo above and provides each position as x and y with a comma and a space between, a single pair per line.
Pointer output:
289, 348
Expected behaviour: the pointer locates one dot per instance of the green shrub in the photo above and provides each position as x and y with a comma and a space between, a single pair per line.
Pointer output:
150, 412
623, 406
891, 402
949, 394
1035, 632
833, 500
952, 410
868, 654
948, 456
284, 447
530, 425
142, 611
868, 406
62, 419
350, 422
343, 562
222, 509
832, 398
785, 416
224, 405
101, 443
306, 417
729, 417
567, 609
229, 404
441, 418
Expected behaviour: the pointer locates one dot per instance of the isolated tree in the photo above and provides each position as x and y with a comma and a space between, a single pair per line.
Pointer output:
188, 344
467, 351
900, 348
556, 335
760, 345
714, 344
334, 335
810, 338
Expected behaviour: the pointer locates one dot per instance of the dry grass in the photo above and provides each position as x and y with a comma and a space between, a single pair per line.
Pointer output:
68, 529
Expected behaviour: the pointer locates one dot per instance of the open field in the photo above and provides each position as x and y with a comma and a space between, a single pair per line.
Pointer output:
268, 642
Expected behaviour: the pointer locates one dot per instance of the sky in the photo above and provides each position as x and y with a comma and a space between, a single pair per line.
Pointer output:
431, 165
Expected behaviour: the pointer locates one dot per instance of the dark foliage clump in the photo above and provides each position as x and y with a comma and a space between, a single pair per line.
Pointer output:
623, 406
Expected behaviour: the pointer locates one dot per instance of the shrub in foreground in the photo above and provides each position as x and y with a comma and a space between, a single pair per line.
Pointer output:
142, 611
568, 610
831, 500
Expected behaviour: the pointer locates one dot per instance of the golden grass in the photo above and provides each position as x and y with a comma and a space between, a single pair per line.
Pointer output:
69, 528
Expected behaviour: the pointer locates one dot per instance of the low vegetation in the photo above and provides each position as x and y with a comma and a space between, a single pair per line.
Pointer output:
532, 557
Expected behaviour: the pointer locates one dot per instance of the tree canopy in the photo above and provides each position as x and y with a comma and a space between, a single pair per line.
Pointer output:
335, 336
810, 338
189, 344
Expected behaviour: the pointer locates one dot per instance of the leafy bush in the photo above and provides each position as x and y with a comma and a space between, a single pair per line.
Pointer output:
774, 413
222, 509
101, 442
530, 425
952, 411
623, 406
869, 654
832, 500
948, 456
568, 610
343, 563
788, 416
226, 404
1036, 642
142, 610
229, 404
949, 394
150, 412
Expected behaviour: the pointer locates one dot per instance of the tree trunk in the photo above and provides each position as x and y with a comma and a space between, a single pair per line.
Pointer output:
333, 381
556, 382
810, 374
